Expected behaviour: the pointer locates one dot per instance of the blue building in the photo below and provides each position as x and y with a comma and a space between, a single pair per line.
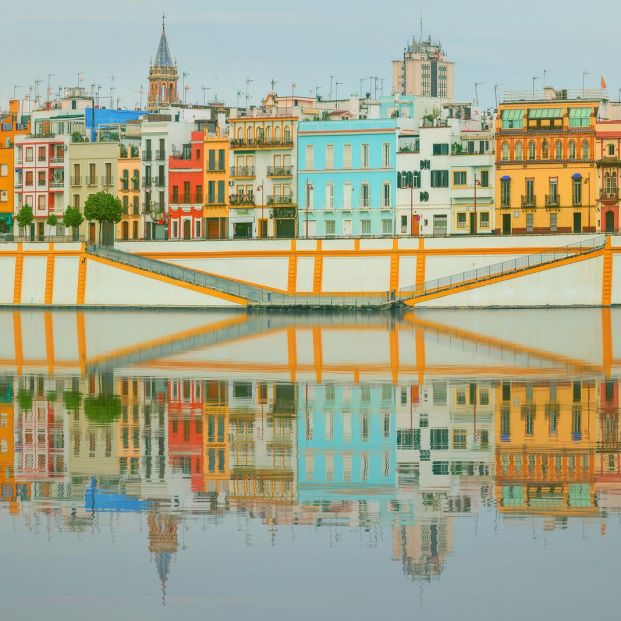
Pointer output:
109, 118
347, 179
346, 442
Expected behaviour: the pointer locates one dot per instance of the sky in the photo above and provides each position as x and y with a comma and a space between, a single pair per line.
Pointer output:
221, 44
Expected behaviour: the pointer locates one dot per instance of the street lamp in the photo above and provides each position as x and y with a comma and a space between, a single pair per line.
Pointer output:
260, 189
309, 187
476, 183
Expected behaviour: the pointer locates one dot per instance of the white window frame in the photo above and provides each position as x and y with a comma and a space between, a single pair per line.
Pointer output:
365, 156
329, 156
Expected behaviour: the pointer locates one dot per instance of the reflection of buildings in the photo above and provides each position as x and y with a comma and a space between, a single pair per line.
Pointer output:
545, 457
162, 544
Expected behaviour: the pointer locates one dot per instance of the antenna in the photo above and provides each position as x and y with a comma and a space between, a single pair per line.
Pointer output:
140, 90
331, 79
248, 81
421, 26
205, 89
476, 92
535, 78
36, 86
49, 86
496, 93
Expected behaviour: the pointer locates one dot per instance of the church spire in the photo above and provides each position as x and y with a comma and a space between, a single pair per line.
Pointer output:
163, 76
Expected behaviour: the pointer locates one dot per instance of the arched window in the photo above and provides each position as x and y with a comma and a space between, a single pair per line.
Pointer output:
572, 150
531, 150
259, 133
287, 134
558, 150
268, 132
505, 151
240, 133
249, 134
545, 150
277, 133
519, 152
585, 149
607, 182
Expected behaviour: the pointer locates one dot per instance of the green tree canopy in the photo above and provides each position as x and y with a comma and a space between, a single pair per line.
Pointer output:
24, 217
103, 409
72, 218
103, 207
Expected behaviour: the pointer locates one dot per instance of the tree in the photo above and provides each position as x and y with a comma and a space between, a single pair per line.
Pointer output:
104, 208
72, 218
52, 221
103, 409
24, 217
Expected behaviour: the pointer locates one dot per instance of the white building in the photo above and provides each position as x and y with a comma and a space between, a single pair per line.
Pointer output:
445, 177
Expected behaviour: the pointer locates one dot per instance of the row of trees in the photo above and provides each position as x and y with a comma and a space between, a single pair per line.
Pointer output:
100, 207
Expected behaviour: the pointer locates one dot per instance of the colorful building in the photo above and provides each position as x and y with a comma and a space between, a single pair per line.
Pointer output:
263, 201
131, 226
185, 187
216, 184
545, 163
163, 77
608, 163
347, 178
11, 125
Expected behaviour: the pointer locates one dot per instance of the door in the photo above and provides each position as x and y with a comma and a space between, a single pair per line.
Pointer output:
187, 229
285, 229
610, 222
40, 231
440, 225
213, 228
577, 222
415, 226
263, 228
473, 223
135, 230
125, 231
242, 230
506, 224
347, 228
92, 237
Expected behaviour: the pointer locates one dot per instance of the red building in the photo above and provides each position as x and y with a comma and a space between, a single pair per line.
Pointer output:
185, 429
185, 210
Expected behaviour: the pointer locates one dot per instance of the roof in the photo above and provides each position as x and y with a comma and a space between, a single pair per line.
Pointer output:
163, 57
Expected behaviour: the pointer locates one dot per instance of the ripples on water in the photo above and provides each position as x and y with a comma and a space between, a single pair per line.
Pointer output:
335, 466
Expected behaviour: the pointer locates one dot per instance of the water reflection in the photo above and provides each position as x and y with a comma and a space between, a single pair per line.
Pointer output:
391, 427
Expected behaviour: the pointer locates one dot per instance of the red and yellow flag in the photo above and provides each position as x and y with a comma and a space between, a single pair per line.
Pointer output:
603, 83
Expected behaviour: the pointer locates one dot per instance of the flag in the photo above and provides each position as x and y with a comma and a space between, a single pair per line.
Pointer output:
603, 83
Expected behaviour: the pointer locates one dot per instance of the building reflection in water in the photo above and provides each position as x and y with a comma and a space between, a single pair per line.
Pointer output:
404, 456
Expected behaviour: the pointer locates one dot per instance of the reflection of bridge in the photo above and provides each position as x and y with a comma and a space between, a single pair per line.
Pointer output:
345, 347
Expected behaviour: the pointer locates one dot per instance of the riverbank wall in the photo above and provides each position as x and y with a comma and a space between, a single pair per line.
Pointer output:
325, 270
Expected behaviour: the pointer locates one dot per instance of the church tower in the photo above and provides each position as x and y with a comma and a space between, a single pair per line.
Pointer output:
163, 77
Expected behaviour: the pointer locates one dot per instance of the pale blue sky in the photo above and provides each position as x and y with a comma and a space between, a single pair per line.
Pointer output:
220, 43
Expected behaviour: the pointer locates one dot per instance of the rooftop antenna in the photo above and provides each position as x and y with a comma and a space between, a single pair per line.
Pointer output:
205, 89
140, 90
36, 87
111, 90
15, 87
248, 81
545, 73
273, 83
584, 75
535, 78
476, 92
496, 93
80, 74
337, 94
331, 80
49, 86
184, 75
239, 94
317, 88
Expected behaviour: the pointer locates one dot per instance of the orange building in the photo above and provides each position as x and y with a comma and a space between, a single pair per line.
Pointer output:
545, 448
11, 125
129, 193
216, 184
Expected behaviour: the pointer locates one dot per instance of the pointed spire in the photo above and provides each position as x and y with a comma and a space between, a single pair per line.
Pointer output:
163, 57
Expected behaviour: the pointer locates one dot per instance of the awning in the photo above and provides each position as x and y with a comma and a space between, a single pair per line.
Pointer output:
580, 113
505, 178
545, 113
576, 176
512, 115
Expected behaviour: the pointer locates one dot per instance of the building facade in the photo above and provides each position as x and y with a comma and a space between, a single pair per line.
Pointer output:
347, 179
216, 184
131, 225
608, 163
163, 77
185, 187
545, 163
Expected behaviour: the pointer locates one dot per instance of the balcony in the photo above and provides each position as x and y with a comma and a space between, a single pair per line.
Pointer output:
160, 182
266, 143
106, 182
609, 194
529, 201
216, 169
57, 183
241, 199
19, 184
553, 200
160, 155
242, 171
280, 171
76, 182
91, 181
57, 159
280, 199
147, 156
147, 182
194, 198
365, 202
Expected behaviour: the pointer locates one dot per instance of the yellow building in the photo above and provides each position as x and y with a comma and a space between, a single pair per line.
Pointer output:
545, 448
545, 163
129, 193
11, 125
216, 184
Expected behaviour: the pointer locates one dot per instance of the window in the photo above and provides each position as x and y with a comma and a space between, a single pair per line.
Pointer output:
41, 154
440, 467
386, 227
611, 150
459, 438
558, 150
76, 201
29, 178
330, 156
29, 154
211, 191
347, 192
461, 220
41, 202
505, 192
309, 155
512, 119
530, 191
529, 222
505, 151
330, 227
404, 224
576, 191
553, 222
440, 149
439, 178
211, 160
4, 170
329, 196
579, 117
531, 150
386, 155
92, 174
108, 169
386, 195
459, 177
365, 227
485, 179
4, 196
347, 156
545, 150
572, 150
41, 178
484, 219
221, 192
585, 149
364, 156
519, 152
364, 195
439, 439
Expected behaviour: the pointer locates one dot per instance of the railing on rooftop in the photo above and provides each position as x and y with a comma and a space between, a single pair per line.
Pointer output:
587, 94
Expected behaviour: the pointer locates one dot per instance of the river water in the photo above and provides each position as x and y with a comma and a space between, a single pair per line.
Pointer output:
432, 465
